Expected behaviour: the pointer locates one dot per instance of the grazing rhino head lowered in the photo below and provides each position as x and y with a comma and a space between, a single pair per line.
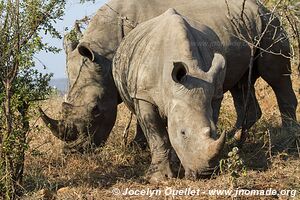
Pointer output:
90, 109
169, 81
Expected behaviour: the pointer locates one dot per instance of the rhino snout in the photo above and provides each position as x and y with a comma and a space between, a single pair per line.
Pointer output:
199, 152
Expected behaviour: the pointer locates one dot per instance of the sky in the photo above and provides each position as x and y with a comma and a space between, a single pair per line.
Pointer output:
56, 63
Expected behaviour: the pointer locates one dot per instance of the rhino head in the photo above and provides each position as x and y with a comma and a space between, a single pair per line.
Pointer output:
90, 109
191, 125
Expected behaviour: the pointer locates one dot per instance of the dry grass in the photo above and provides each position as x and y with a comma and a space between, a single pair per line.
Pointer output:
49, 174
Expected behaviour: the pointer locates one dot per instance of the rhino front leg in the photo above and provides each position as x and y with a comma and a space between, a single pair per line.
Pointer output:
216, 105
139, 138
239, 93
157, 137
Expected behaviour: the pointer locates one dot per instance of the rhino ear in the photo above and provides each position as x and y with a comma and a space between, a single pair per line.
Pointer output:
69, 45
218, 65
179, 71
84, 50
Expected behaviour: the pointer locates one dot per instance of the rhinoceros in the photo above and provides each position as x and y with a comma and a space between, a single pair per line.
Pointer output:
170, 71
168, 81
92, 100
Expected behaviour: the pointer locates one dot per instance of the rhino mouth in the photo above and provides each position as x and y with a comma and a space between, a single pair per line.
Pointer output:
211, 167
207, 173
201, 174
92, 130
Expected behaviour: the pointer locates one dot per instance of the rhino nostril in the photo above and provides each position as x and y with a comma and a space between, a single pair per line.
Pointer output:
182, 132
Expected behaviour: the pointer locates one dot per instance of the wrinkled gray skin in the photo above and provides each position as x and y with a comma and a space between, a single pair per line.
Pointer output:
167, 81
93, 97
170, 71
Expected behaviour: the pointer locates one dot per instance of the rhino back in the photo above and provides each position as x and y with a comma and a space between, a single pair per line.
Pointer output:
105, 31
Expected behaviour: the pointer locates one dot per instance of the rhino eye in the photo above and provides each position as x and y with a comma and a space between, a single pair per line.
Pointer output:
179, 72
95, 110
183, 133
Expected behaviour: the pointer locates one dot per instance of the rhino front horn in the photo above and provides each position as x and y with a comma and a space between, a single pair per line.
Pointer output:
216, 146
58, 128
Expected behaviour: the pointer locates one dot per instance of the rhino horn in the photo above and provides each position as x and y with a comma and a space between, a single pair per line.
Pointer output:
58, 128
218, 65
217, 145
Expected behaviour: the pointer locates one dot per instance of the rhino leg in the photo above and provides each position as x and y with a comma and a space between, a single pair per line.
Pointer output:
286, 99
239, 93
157, 137
253, 111
139, 138
280, 81
275, 70
216, 105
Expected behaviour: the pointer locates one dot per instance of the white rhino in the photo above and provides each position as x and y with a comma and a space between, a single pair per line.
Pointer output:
168, 80
92, 100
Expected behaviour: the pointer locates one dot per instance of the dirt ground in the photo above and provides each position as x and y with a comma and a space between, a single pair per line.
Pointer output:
50, 174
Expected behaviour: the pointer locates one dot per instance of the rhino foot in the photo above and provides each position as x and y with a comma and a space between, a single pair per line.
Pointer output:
160, 172
238, 135
285, 139
140, 144
176, 165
